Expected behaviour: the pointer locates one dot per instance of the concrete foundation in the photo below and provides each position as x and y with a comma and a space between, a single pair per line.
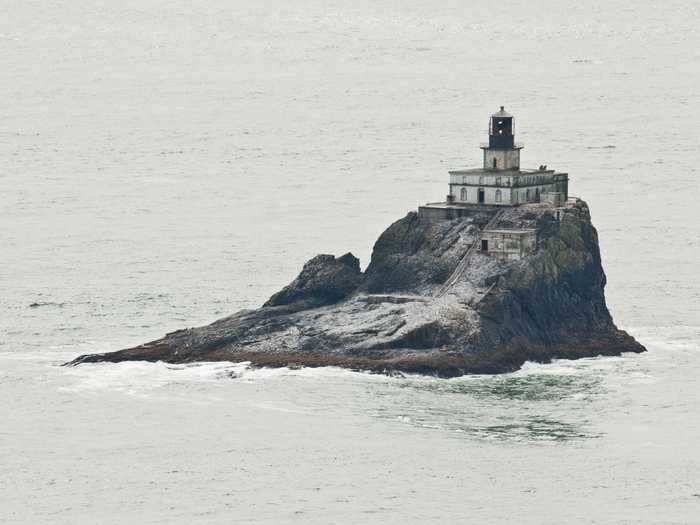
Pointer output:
442, 211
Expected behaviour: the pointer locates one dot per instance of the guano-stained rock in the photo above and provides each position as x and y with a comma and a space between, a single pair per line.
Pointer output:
393, 317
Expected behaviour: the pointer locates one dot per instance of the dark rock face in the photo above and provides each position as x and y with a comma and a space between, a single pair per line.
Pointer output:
413, 254
493, 318
323, 280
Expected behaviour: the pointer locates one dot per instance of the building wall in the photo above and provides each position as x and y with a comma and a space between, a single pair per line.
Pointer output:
505, 159
506, 178
435, 214
508, 195
554, 198
531, 193
511, 245
561, 185
495, 178
513, 186
470, 194
535, 179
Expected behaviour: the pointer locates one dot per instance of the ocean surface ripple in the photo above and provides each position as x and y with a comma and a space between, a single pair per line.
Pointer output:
167, 163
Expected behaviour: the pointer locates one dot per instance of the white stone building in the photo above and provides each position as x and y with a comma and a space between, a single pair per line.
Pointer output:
501, 182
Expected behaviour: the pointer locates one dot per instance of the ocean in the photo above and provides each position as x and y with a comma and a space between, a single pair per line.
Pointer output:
164, 164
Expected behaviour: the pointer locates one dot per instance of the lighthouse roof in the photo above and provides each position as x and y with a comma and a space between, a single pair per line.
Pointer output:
502, 113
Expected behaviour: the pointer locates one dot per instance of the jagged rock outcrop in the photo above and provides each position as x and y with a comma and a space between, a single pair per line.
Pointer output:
413, 254
396, 317
323, 280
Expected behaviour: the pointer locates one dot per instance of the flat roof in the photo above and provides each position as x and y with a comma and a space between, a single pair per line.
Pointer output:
484, 171
513, 230
464, 205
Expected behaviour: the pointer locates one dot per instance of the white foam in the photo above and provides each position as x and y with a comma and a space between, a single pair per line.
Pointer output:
139, 377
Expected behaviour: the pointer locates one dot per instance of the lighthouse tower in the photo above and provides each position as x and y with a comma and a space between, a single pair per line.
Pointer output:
501, 181
501, 152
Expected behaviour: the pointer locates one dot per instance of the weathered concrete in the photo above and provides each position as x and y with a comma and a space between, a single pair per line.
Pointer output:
442, 211
502, 159
508, 245
505, 188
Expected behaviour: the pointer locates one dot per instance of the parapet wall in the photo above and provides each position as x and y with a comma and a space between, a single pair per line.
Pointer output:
442, 213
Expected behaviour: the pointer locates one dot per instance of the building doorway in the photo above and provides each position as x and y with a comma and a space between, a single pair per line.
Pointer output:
481, 195
484, 245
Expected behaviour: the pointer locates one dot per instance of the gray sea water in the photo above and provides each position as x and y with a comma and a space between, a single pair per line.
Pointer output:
163, 164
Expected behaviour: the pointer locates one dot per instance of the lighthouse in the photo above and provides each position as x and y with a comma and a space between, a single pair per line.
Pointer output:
501, 152
500, 182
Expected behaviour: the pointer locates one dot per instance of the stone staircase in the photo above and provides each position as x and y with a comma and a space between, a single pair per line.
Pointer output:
464, 261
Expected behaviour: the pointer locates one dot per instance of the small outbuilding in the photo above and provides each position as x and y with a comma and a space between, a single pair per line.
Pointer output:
508, 245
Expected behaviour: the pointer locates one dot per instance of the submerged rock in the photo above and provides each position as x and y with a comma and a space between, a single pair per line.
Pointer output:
410, 312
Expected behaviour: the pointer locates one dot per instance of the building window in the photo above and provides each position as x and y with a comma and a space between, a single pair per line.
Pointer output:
498, 195
498, 181
463, 194
527, 195
495, 163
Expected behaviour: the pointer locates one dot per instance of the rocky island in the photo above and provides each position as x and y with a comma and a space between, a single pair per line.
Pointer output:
506, 270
